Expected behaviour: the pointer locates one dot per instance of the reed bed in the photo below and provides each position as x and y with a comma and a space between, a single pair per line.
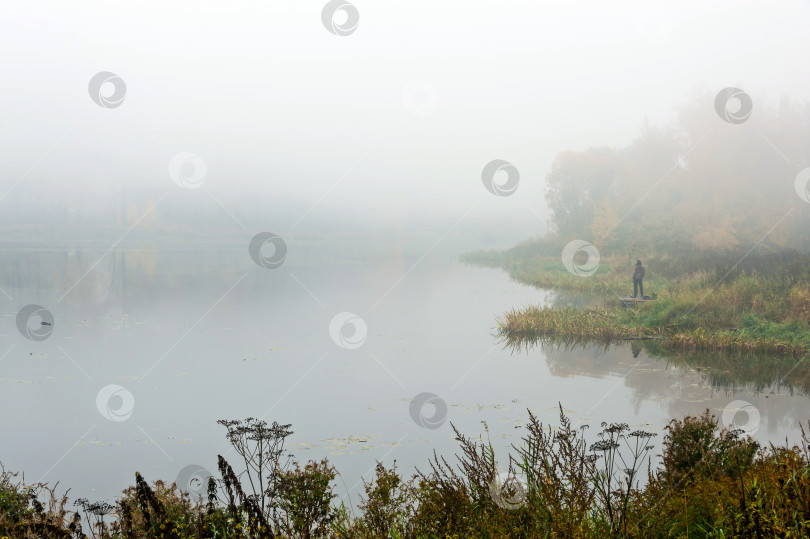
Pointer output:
707, 303
703, 340
613, 324
598, 323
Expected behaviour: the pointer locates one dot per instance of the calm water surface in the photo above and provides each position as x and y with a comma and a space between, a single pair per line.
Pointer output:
197, 335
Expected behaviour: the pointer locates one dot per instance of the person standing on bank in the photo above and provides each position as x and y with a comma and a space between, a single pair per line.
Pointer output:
638, 277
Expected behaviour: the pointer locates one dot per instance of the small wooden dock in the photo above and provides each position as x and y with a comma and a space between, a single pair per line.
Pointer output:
629, 302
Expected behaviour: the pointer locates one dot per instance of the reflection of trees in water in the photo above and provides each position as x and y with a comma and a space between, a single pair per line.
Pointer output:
688, 383
719, 370
114, 279
758, 372
87, 274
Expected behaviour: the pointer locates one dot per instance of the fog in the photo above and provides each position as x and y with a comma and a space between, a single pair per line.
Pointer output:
387, 127
145, 143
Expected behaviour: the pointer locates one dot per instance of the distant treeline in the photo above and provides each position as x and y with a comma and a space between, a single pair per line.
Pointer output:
698, 183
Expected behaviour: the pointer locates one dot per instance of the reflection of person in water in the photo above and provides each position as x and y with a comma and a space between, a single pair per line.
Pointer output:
635, 347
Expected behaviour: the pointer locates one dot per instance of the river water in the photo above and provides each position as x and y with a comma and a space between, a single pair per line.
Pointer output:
152, 343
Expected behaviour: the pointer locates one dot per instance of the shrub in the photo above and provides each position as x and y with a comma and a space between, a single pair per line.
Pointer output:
386, 507
305, 496
24, 516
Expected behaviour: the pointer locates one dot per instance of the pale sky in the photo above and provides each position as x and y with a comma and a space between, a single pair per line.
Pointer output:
276, 104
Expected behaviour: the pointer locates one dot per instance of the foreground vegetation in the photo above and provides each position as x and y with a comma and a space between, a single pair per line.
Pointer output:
729, 301
555, 483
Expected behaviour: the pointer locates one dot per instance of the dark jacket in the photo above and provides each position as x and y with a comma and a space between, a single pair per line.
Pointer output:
638, 272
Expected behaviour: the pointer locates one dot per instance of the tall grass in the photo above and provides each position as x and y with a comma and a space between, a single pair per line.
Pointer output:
556, 482
597, 323
757, 303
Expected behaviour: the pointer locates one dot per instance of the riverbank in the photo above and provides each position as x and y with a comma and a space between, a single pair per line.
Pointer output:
758, 303
558, 482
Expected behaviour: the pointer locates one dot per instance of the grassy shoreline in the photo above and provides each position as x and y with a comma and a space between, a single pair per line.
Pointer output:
557, 482
702, 303
609, 325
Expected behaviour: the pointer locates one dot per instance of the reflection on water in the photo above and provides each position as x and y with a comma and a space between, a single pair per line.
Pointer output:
686, 383
719, 370
182, 332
